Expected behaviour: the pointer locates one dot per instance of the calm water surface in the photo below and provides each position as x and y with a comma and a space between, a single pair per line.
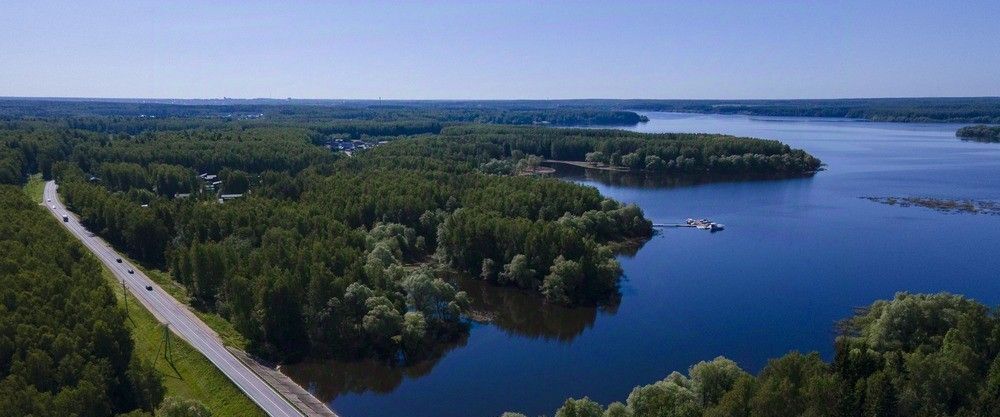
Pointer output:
797, 255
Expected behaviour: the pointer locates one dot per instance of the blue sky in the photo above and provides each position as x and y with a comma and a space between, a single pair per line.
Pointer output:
499, 49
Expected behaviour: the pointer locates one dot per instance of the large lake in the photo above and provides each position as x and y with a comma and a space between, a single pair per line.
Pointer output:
796, 256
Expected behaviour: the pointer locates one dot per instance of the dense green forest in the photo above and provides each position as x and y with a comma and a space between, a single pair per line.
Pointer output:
340, 244
327, 255
915, 355
982, 133
64, 347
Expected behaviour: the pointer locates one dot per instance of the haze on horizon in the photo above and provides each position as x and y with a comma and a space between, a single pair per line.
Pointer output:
499, 50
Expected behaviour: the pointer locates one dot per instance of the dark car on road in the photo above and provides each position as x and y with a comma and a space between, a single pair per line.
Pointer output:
119, 260
131, 271
149, 288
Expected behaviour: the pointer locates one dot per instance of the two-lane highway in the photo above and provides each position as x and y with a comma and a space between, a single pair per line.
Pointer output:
168, 310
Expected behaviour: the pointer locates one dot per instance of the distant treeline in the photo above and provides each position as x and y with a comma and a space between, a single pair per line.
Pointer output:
915, 355
557, 112
982, 133
938, 110
428, 116
64, 346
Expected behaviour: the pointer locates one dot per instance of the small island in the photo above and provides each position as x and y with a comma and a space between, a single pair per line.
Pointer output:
941, 204
980, 133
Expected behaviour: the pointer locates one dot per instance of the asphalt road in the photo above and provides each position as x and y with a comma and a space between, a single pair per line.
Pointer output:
168, 310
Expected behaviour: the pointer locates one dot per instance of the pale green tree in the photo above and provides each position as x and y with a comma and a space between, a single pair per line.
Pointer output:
519, 272
712, 379
583, 407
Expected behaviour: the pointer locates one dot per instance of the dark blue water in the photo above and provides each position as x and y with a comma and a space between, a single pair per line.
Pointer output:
796, 256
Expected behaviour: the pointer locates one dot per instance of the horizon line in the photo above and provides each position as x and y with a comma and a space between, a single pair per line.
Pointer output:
91, 98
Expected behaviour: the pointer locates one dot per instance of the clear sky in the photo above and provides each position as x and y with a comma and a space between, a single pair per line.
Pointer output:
499, 49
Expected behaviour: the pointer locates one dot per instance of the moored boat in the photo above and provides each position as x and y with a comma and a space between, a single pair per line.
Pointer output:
705, 224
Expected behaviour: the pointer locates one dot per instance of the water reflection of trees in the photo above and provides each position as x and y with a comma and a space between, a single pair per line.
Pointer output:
521, 313
330, 378
644, 180
512, 310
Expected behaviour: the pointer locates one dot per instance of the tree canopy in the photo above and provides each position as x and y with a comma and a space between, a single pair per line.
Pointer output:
64, 347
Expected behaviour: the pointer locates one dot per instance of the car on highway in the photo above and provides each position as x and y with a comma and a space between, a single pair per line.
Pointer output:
119, 260
53, 207
50, 200
131, 271
149, 288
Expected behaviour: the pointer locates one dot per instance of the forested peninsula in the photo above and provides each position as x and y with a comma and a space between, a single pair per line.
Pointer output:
678, 153
980, 133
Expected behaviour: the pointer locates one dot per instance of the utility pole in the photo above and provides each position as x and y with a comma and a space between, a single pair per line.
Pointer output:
167, 352
125, 299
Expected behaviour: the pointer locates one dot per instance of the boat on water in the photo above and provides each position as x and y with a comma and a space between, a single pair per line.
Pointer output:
705, 224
